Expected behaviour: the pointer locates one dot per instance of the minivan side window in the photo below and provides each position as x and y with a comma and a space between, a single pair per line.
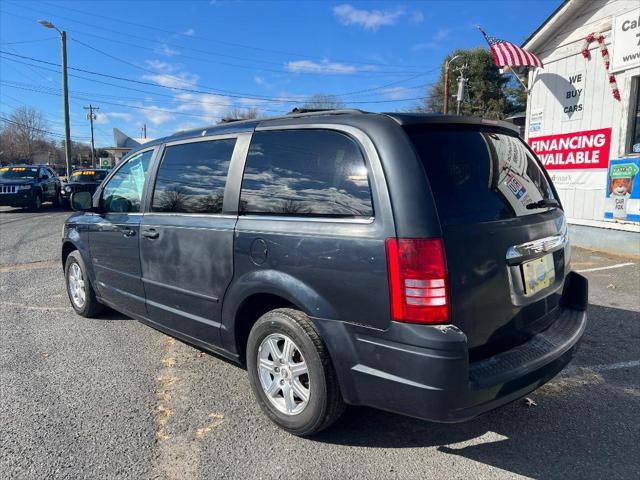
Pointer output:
192, 177
123, 192
305, 172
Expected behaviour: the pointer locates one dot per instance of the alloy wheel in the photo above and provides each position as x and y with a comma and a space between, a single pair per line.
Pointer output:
284, 375
77, 286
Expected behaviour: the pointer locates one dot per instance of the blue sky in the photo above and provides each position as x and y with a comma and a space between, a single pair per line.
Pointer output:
186, 63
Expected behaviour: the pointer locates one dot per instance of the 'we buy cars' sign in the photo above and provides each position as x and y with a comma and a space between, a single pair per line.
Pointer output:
577, 150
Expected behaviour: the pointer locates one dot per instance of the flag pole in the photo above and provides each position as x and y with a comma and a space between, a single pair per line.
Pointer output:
518, 78
484, 34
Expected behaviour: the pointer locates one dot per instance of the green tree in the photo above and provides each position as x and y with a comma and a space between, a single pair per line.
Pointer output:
489, 93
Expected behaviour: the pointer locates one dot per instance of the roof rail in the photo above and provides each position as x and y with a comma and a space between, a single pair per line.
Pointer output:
230, 120
297, 110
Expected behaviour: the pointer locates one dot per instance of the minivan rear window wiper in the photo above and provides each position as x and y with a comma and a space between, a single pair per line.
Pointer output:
543, 203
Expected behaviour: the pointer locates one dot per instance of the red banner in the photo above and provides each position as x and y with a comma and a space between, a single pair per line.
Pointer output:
577, 150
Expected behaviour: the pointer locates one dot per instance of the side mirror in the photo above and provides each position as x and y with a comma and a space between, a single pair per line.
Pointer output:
81, 201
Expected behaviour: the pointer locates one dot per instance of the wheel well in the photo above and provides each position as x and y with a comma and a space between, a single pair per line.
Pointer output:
67, 248
250, 311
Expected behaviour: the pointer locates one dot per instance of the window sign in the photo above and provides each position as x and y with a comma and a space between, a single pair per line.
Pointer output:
623, 190
573, 96
535, 120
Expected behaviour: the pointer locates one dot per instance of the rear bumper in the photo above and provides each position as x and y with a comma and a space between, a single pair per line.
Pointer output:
424, 371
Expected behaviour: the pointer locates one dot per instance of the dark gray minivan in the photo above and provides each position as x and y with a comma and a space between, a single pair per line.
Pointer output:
414, 263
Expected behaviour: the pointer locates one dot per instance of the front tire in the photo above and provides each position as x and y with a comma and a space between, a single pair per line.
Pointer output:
57, 200
79, 288
36, 203
291, 373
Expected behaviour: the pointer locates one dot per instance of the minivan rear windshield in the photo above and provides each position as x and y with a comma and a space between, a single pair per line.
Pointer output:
480, 175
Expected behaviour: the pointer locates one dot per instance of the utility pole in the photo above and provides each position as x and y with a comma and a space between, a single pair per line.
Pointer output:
92, 116
462, 86
447, 64
65, 94
144, 130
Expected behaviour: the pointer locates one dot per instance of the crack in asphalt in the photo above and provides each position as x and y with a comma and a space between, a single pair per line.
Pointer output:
19, 267
179, 445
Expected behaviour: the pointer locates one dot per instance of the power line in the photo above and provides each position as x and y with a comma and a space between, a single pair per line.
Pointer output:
29, 41
147, 92
188, 90
183, 80
209, 39
137, 107
4, 119
252, 61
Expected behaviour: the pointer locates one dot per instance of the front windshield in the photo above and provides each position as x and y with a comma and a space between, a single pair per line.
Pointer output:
18, 172
88, 176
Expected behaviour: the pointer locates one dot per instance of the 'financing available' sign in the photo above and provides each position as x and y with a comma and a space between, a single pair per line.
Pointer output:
588, 149
575, 160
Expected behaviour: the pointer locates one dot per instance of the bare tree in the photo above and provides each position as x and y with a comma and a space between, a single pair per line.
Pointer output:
25, 131
322, 101
236, 113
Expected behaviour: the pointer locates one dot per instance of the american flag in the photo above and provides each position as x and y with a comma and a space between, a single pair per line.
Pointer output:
507, 53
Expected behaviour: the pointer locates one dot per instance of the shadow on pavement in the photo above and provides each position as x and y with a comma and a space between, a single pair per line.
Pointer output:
585, 424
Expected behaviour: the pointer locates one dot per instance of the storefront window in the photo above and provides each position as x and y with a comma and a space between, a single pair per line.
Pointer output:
635, 119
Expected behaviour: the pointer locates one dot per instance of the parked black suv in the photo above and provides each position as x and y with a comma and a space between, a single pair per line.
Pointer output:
413, 263
85, 180
28, 186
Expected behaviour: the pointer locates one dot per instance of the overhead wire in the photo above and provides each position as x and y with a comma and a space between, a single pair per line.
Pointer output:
189, 90
253, 61
222, 42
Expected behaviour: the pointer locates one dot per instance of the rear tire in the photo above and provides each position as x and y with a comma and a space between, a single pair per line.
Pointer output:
79, 288
288, 330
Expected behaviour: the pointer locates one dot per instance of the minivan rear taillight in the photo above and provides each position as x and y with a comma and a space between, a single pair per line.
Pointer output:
417, 280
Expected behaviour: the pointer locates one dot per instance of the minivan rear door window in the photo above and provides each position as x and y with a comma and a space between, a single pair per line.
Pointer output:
479, 176
305, 172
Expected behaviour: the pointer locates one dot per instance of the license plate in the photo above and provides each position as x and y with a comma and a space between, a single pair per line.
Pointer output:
538, 274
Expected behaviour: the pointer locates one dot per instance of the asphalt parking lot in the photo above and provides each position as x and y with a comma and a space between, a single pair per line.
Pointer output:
112, 398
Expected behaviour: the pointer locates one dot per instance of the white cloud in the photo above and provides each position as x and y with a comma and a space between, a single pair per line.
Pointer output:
167, 51
189, 32
169, 75
161, 66
156, 116
441, 34
261, 81
417, 16
368, 19
396, 93
325, 67
179, 80
107, 117
425, 46
210, 105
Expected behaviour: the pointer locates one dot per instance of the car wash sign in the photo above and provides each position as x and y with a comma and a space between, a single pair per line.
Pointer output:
578, 150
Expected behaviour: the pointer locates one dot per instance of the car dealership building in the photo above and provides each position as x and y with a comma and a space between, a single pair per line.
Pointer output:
583, 118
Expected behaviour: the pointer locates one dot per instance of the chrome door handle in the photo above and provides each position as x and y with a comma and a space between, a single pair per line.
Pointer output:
128, 232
